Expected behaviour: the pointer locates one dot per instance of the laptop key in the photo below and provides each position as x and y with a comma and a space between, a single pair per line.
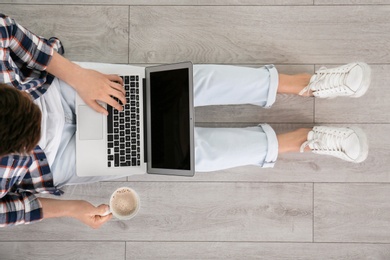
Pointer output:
116, 160
109, 120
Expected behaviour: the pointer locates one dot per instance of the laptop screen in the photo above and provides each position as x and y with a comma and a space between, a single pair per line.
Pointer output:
170, 119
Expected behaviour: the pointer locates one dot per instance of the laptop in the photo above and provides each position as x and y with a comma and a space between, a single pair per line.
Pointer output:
153, 134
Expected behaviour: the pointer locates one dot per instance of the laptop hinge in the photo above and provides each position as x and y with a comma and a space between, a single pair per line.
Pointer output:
145, 120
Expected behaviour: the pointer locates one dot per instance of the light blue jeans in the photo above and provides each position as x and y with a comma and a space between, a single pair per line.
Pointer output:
215, 148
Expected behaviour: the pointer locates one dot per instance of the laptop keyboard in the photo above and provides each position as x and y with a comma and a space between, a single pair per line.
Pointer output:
123, 128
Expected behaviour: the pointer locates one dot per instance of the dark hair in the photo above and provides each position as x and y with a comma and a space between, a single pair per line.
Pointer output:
20, 121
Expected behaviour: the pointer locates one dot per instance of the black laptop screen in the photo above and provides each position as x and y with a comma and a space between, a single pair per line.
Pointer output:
170, 127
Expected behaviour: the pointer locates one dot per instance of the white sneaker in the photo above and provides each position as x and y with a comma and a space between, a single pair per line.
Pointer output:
349, 144
351, 80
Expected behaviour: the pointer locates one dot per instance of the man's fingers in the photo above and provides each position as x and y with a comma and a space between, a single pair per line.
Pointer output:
118, 89
116, 83
112, 102
119, 95
102, 209
97, 219
109, 101
98, 108
107, 93
115, 78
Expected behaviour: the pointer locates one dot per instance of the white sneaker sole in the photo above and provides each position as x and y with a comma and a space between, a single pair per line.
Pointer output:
366, 80
363, 144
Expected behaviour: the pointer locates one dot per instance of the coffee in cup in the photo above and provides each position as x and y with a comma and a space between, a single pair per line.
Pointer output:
124, 203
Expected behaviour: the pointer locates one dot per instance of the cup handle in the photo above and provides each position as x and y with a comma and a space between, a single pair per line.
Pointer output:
108, 212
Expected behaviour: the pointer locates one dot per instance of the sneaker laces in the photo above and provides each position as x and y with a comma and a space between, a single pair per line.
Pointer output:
331, 80
326, 140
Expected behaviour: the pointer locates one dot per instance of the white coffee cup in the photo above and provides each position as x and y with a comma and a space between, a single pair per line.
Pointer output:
124, 203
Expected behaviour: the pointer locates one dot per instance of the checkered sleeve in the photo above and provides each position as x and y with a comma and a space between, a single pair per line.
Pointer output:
28, 48
19, 208
17, 205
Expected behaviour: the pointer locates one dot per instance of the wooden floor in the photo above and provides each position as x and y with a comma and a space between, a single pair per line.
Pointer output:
307, 207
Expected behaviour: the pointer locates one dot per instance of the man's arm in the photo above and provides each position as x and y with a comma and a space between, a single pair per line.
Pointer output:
79, 209
26, 47
40, 54
25, 208
19, 208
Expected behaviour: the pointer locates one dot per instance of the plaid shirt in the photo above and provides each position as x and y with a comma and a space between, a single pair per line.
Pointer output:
23, 61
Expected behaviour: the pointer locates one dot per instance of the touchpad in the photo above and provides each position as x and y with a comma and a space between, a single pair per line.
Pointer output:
90, 123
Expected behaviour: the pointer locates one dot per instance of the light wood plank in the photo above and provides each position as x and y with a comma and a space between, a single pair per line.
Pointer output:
222, 2
166, 2
266, 34
351, 2
202, 2
189, 212
371, 108
352, 213
306, 167
49, 250
84, 30
215, 250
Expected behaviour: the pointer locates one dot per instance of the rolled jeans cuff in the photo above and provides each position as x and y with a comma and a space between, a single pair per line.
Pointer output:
273, 85
272, 152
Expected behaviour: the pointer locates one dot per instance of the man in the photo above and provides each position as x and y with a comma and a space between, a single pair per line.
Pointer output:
30, 64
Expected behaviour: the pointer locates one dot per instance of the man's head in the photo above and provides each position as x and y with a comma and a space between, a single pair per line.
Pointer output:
20, 121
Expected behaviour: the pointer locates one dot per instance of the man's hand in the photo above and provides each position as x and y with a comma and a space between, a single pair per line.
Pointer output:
89, 214
91, 85
79, 209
